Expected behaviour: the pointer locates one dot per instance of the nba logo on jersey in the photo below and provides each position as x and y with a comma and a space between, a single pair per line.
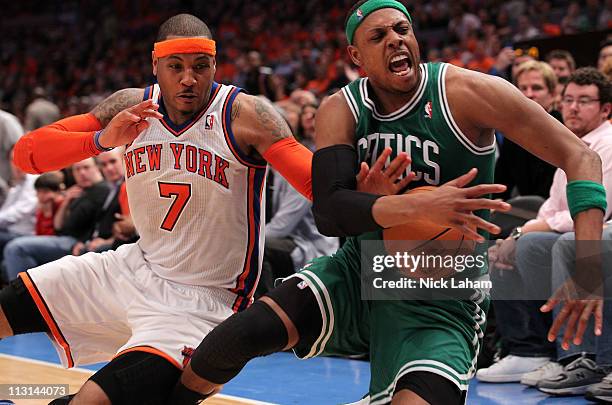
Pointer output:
210, 121
359, 14
428, 110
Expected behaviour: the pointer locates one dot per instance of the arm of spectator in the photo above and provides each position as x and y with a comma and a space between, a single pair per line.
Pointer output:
63, 210
25, 207
72, 139
292, 209
123, 228
96, 243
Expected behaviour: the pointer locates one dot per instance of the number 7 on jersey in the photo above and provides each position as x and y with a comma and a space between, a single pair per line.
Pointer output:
182, 192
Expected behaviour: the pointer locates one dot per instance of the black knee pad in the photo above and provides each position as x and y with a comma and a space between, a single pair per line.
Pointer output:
20, 310
256, 331
433, 388
301, 306
137, 378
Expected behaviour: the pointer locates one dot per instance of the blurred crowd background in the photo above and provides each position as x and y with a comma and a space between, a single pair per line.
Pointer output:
78, 52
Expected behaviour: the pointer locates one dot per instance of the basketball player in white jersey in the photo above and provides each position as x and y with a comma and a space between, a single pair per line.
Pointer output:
195, 157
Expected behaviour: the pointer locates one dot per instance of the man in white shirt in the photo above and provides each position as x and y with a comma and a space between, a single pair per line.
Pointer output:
17, 213
523, 328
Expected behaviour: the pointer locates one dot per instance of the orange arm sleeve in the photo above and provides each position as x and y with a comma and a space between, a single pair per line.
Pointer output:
294, 162
123, 200
58, 145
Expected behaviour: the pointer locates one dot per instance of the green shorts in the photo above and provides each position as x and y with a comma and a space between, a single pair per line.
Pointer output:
441, 337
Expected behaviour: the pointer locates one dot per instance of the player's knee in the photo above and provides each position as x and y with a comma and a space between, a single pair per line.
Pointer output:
137, 378
258, 331
19, 312
90, 394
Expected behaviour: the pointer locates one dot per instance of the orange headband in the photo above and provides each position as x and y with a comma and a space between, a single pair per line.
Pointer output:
184, 45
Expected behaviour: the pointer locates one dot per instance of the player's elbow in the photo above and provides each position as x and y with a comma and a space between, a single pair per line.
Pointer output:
585, 160
22, 155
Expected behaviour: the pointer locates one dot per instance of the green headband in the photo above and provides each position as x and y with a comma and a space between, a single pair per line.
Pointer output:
368, 8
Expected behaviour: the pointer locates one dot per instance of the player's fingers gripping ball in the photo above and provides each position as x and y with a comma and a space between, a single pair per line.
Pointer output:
429, 249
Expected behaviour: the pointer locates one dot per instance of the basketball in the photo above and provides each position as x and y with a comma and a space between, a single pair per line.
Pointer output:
425, 237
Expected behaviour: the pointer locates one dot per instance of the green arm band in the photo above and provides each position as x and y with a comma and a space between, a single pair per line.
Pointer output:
585, 194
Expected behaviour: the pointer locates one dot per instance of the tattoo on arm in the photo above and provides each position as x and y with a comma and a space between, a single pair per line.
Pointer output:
235, 110
271, 120
115, 103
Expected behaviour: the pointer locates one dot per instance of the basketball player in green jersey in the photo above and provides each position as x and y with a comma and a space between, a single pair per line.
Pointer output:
443, 116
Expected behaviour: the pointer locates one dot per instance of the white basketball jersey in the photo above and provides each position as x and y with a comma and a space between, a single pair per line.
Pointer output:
197, 200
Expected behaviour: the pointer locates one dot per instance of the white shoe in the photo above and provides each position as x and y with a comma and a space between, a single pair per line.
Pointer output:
510, 369
546, 371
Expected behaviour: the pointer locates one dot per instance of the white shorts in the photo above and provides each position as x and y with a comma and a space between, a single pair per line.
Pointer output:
100, 305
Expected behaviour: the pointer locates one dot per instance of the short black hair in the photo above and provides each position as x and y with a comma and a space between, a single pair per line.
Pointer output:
589, 75
51, 181
183, 25
604, 43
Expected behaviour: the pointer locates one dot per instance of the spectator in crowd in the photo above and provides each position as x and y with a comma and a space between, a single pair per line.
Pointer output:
259, 77
17, 212
49, 188
564, 65
588, 366
522, 262
605, 54
10, 132
526, 30
522, 172
40, 112
292, 238
74, 221
306, 129
102, 238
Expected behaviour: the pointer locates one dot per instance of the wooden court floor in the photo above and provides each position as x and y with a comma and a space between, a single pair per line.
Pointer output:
17, 370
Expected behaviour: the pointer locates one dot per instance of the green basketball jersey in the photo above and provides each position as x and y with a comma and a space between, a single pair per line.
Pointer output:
425, 129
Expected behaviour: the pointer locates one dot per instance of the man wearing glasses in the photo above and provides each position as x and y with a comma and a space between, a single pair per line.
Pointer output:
532, 358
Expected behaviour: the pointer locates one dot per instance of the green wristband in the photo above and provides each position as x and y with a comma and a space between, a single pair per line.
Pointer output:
585, 194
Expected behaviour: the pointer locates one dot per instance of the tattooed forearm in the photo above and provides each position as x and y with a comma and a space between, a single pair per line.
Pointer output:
235, 110
115, 103
270, 119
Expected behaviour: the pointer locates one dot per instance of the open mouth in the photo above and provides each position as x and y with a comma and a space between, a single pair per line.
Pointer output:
400, 65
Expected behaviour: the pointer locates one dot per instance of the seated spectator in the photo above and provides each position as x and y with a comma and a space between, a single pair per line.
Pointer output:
522, 172
17, 213
306, 126
74, 221
49, 193
583, 367
564, 65
292, 238
102, 239
523, 328
605, 54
